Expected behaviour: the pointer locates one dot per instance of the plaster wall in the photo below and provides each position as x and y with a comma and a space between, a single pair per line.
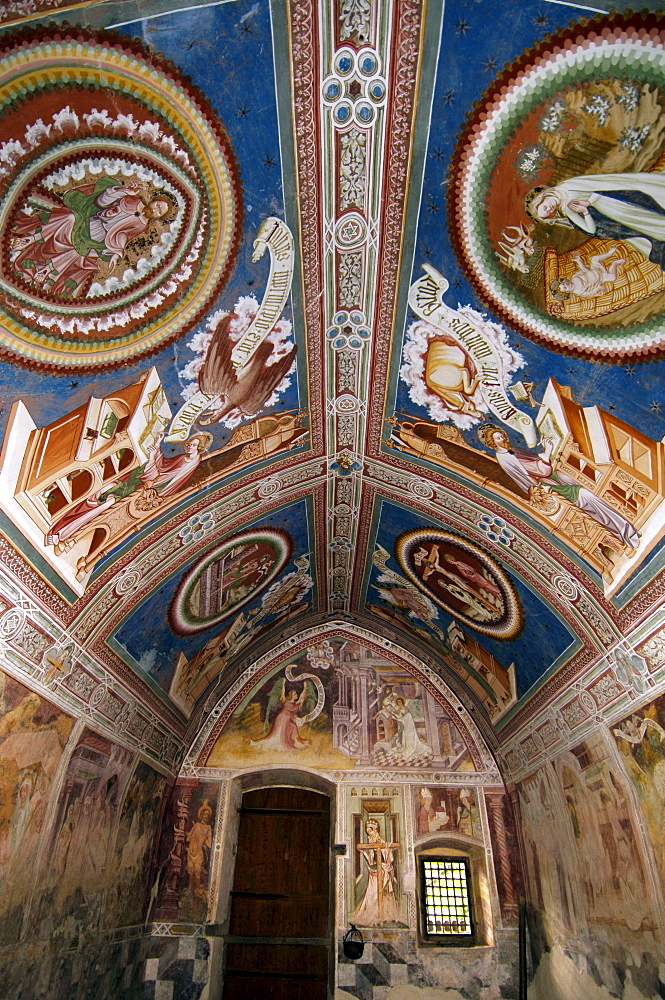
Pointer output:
591, 830
395, 957
78, 818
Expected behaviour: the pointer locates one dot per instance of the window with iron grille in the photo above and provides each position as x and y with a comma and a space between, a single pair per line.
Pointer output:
446, 899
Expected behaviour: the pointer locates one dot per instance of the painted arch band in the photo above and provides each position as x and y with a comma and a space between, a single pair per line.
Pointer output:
462, 579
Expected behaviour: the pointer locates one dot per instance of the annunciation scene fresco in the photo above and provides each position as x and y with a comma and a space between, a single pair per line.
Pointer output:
341, 705
332, 499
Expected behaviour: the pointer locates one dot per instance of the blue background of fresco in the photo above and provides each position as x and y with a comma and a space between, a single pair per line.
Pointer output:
145, 634
471, 56
224, 60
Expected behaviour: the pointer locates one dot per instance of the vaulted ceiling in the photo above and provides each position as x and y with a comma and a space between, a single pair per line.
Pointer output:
283, 350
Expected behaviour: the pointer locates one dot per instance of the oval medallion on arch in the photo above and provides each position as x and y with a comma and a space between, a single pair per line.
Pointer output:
227, 577
462, 579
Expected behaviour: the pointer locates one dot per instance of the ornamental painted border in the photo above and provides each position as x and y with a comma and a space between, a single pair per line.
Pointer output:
632, 46
183, 622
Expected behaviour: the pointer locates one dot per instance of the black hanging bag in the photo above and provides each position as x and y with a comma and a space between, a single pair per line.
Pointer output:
353, 944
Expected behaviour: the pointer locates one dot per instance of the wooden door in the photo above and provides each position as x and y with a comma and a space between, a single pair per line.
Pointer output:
279, 943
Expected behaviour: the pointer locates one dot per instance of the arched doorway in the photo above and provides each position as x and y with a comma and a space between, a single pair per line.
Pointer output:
279, 943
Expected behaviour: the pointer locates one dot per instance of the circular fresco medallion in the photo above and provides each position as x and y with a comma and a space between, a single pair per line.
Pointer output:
557, 202
229, 576
462, 579
120, 211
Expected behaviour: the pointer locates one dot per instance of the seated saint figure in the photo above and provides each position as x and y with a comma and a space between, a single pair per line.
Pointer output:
58, 244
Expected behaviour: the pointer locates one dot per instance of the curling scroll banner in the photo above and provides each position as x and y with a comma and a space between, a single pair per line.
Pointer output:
275, 236
425, 299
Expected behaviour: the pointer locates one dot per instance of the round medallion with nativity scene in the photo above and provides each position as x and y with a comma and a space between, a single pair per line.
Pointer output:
557, 198
121, 209
462, 579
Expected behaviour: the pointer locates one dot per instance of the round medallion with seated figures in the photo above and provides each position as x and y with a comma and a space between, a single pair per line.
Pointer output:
120, 208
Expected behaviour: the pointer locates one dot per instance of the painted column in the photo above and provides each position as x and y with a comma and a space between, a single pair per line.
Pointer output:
433, 735
364, 682
169, 908
496, 802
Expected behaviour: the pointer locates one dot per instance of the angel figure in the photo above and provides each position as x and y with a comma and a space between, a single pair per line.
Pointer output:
634, 729
284, 734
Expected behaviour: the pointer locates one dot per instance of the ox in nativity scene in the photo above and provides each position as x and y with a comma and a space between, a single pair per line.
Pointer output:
588, 248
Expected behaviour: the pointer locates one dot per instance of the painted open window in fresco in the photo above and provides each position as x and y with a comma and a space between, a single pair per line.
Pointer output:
446, 899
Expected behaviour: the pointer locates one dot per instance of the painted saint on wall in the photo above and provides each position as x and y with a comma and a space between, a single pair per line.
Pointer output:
377, 897
379, 903
199, 847
449, 810
185, 852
